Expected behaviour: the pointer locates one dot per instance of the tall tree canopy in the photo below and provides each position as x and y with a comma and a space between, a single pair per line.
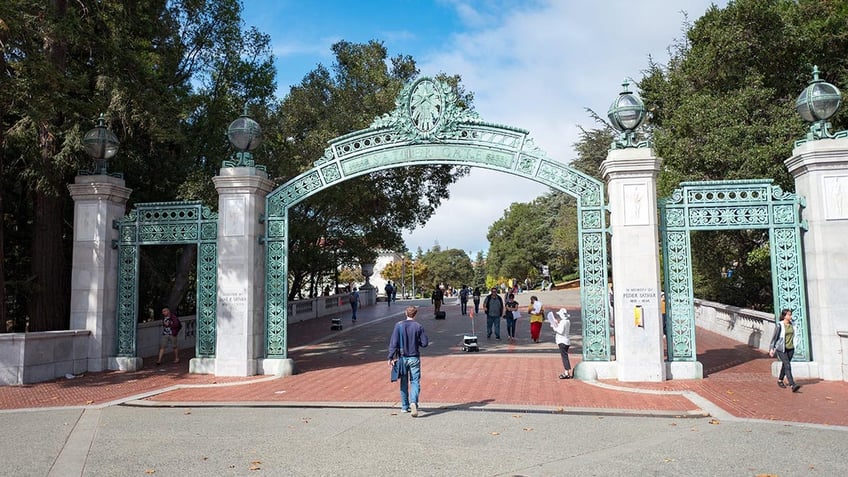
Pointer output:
723, 108
157, 70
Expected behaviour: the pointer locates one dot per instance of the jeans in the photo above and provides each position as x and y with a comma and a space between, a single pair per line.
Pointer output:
496, 321
353, 307
510, 325
785, 358
476, 306
413, 366
563, 352
463, 307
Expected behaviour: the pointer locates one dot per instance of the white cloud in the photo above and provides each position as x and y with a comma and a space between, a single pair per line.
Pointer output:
538, 69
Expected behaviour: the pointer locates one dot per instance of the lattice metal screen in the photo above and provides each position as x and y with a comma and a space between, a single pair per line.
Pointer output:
167, 223
731, 205
428, 128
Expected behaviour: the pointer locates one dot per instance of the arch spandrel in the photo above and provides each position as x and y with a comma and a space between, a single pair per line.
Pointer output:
428, 127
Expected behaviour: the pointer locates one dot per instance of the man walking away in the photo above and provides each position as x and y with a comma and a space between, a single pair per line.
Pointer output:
354, 303
463, 300
414, 338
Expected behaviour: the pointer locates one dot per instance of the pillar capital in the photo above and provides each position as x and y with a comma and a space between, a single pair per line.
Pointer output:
630, 161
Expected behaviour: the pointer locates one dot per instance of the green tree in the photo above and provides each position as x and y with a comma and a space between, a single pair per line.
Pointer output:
365, 213
451, 267
723, 108
63, 63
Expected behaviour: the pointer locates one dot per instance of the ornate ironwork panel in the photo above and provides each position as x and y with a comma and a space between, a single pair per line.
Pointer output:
427, 127
167, 223
726, 205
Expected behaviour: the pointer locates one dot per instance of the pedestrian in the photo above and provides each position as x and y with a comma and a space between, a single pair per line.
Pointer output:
493, 307
436, 299
783, 343
171, 326
355, 303
389, 289
475, 296
414, 338
535, 310
463, 300
511, 315
562, 328
394, 291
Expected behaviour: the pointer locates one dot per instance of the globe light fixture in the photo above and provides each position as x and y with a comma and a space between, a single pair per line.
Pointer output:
626, 114
245, 135
816, 104
101, 144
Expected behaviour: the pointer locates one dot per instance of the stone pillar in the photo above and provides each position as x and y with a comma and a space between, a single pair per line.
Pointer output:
631, 176
98, 201
820, 169
241, 271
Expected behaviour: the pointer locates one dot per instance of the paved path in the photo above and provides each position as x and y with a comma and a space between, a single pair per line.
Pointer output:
339, 414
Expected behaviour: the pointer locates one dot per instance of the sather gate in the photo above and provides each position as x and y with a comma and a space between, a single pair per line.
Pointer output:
427, 127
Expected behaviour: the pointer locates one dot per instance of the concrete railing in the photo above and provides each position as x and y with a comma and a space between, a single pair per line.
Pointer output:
302, 310
754, 328
42, 356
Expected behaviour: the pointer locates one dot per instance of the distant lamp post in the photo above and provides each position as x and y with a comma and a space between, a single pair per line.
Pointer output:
626, 114
101, 144
816, 104
245, 135
413, 278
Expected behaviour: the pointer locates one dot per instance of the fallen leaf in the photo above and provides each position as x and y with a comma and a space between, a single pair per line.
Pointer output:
668, 459
89, 401
673, 424
729, 391
150, 471
495, 433
204, 458
528, 428
186, 413
516, 416
255, 465
714, 421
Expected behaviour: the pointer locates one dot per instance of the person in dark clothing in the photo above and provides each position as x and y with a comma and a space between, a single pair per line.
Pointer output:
493, 306
437, 299
476, 297
413, 339
463, 300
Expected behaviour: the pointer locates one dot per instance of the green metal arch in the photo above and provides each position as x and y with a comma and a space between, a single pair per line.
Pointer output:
428, 128
167, 223
731, 205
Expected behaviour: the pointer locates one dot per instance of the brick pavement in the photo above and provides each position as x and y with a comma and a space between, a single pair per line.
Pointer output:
348, 367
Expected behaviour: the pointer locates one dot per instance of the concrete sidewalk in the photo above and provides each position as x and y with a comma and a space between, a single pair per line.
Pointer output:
347, 368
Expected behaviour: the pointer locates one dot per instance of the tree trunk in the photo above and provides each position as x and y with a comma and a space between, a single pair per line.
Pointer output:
187, 263
49, 303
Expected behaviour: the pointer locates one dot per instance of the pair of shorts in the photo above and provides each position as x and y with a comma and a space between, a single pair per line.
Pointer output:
166, 339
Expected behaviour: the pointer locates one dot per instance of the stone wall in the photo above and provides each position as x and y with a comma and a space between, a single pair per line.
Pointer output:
745, 326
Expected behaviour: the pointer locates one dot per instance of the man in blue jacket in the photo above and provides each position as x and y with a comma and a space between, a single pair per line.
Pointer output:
407, 337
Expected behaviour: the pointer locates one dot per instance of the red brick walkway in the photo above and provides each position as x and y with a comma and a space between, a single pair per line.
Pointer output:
349, 367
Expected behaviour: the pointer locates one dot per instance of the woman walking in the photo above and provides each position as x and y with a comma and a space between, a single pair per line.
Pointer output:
783, 343
475, 295
536, 318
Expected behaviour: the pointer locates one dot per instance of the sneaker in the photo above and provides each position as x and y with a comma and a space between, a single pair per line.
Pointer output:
414, 408
795, 388
781, 384
405, 410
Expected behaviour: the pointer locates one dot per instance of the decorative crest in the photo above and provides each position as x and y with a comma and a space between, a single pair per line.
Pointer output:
426, 110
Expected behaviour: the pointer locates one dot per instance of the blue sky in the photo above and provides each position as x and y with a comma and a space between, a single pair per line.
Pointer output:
536, 65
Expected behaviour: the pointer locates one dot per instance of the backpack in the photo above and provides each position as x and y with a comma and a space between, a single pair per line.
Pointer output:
352, 298
176, 325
